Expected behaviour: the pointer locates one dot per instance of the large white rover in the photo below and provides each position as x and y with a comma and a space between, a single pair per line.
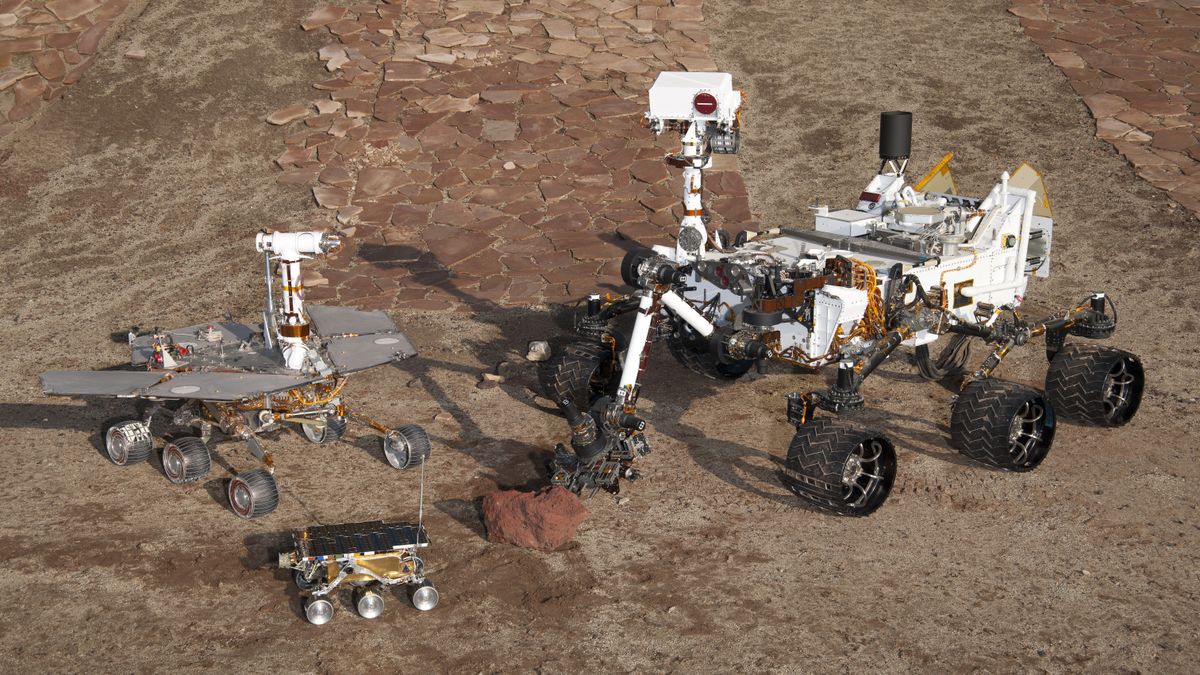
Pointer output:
907, 265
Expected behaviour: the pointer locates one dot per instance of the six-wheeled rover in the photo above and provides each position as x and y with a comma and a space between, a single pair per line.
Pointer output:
244, 380
907, 265
367, 557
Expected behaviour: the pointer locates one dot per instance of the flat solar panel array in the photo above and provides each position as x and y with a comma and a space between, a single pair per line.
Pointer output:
350, 538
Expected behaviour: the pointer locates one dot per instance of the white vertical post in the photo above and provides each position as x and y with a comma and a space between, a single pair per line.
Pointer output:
637, 345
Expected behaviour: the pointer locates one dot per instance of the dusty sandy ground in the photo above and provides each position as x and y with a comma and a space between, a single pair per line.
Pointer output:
134, 200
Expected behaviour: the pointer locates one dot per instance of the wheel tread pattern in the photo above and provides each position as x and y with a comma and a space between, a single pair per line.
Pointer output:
141, 446
419, 446
570, 371
197, 460
262, 485
1075, 379
815, 460
980, 419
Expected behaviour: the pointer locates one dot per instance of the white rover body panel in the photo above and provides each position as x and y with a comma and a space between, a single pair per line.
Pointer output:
971, 250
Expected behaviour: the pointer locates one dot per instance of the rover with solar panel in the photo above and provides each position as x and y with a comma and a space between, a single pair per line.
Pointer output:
910, 265
245, 380
366, 557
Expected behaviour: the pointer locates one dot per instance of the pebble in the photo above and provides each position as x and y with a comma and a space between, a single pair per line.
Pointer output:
135, 53
539, 350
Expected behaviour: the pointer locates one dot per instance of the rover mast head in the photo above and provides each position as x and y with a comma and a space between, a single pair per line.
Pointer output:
292, 324
704, 108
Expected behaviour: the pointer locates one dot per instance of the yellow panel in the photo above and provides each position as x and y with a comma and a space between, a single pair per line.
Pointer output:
1028, 178
938, 179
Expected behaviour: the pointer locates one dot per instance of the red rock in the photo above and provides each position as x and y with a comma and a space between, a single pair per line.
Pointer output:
20, 46
1105, 105
452, 250
404, 71
445, 37
10, 77
331, 198
67, 10
375, 181
613, 107
649, 170
50, 64
544, 520
62, 40
89, 40
323, 17
288, 114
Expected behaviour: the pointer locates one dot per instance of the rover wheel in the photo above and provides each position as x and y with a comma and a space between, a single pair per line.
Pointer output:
128, 442
368, 601
327, 429
310, 578
423, 596
840, 467
186, 460
686, 345
580, 372
1095, 385
1003, 424
253, 494
406, 446
318, 611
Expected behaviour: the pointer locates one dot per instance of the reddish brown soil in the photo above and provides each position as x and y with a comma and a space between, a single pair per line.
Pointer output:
133, 200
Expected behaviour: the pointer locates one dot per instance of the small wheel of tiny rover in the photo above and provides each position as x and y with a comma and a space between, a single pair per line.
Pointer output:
253, 494
1004, 424
186, 460
128, 442
423, 595
327, 429
368, 601
684, 343
310, 578
580, 372
318, 611
1094, 384
406, 446
840, 467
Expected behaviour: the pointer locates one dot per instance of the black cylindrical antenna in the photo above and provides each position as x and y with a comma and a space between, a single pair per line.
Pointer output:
895, 135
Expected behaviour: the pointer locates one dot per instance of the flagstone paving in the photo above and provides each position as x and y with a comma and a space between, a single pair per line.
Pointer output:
1137, 67
481, 153
45, 47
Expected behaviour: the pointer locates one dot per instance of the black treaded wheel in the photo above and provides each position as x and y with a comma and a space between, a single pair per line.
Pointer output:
580, 372
186, 460
1002, 424
329, 429
1095, 384
686, 345
841, 467
407, 446
128, 442
253, 494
